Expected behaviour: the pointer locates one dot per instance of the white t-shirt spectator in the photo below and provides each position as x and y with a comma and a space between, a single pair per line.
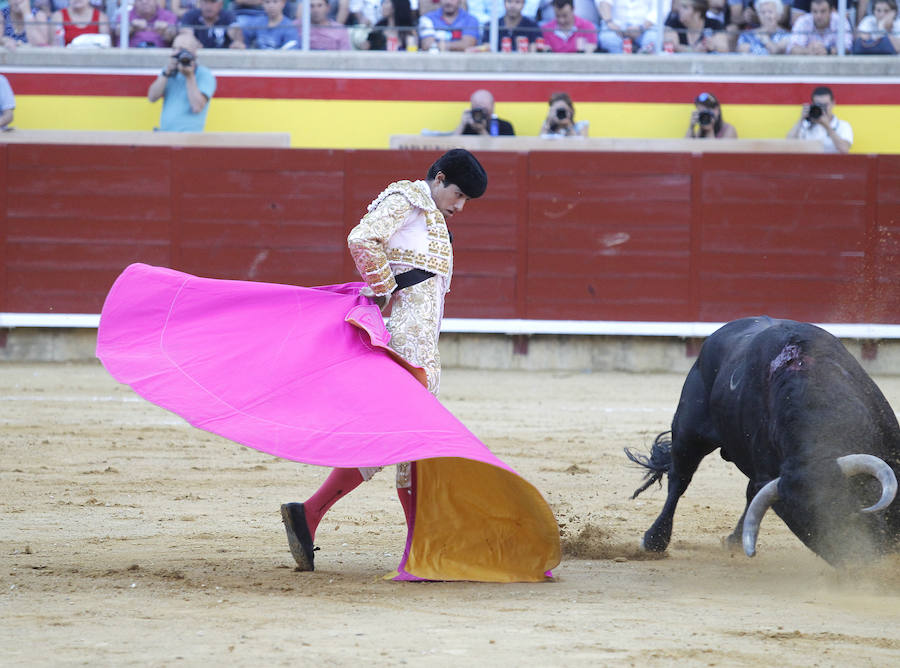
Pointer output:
815, 131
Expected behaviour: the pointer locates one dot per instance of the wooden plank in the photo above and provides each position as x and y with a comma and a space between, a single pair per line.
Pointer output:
100, 159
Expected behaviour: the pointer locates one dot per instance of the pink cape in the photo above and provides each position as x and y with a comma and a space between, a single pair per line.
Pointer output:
306, 374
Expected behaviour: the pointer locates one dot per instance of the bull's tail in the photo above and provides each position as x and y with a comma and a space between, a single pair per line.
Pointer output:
657, 464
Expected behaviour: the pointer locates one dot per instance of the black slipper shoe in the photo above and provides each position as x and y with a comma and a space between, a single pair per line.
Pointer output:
299, 540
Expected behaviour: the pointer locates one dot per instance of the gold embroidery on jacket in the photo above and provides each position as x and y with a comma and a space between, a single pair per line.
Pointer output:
368, 241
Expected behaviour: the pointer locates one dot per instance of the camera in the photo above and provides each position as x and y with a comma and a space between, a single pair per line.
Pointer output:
184, 58
479, 116
705, 117
561, 113
815, 112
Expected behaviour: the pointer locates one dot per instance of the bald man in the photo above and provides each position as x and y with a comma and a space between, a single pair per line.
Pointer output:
480, 118
185, 86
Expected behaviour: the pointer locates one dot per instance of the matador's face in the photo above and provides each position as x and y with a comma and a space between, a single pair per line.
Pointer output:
448, 197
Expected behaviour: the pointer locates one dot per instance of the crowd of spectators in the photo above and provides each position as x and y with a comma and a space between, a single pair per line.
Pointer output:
756, 27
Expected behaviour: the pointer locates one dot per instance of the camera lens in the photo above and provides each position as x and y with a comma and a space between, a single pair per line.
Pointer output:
705, 117
561, 113
815, 111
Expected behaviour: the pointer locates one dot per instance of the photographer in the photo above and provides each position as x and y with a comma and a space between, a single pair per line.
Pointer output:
480, 118
817, 122
185, 86
560, 121
706, 120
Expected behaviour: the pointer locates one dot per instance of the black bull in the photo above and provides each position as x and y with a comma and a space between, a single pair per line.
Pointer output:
795, 412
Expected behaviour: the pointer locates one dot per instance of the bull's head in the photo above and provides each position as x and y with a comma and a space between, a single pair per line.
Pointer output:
823, 509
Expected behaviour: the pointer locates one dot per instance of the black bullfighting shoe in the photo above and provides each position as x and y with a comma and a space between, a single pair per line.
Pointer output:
299, 540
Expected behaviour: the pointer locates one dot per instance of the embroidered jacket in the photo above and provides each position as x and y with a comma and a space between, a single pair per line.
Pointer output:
403, 226
404, 230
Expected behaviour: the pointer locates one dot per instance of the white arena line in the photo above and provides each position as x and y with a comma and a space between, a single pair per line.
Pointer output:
514, 326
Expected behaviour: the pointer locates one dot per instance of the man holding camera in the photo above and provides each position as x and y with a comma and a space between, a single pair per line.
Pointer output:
818, 123
185, 86
480, 118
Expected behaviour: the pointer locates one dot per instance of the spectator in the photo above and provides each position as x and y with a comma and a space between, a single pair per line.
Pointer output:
338, 10
816, 33
560, 121
149, 25
480, 118
706, 120
213, 27
720, 10
817, 122
631, 19
769, 37
691, 30
369, 12
744, 13
80, 18
448, 28
185, 87
568, 33
325, 34
179, 7
880, 32
247, 12
798, 8
24, 24
7, 103
273, 30
513, 25
396, 23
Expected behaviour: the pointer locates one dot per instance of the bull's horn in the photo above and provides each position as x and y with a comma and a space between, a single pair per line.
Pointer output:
763, 500
855, 464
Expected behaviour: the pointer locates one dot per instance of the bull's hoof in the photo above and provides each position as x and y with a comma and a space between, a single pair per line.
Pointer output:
653, 544
733, 543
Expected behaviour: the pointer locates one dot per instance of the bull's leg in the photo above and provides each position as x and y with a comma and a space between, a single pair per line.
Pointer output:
693, 437
685, 460
735, 540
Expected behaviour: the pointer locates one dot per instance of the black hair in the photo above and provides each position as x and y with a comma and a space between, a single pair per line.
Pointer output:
559, 4
562, 97
822, 90
402, 13
461, 169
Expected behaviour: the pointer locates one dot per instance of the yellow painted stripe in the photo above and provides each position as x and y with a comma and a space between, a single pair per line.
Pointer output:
346, 124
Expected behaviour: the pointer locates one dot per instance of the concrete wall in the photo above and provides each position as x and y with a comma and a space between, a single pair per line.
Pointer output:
570, 354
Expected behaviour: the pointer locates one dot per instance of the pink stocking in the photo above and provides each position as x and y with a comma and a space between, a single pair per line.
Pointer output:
337, 485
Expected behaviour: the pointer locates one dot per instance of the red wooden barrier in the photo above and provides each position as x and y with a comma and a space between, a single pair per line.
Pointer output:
585, 236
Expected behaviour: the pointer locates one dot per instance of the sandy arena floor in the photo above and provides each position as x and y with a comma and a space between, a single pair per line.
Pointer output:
129, 538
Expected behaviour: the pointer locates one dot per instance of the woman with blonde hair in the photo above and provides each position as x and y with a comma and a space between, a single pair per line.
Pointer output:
769, 38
